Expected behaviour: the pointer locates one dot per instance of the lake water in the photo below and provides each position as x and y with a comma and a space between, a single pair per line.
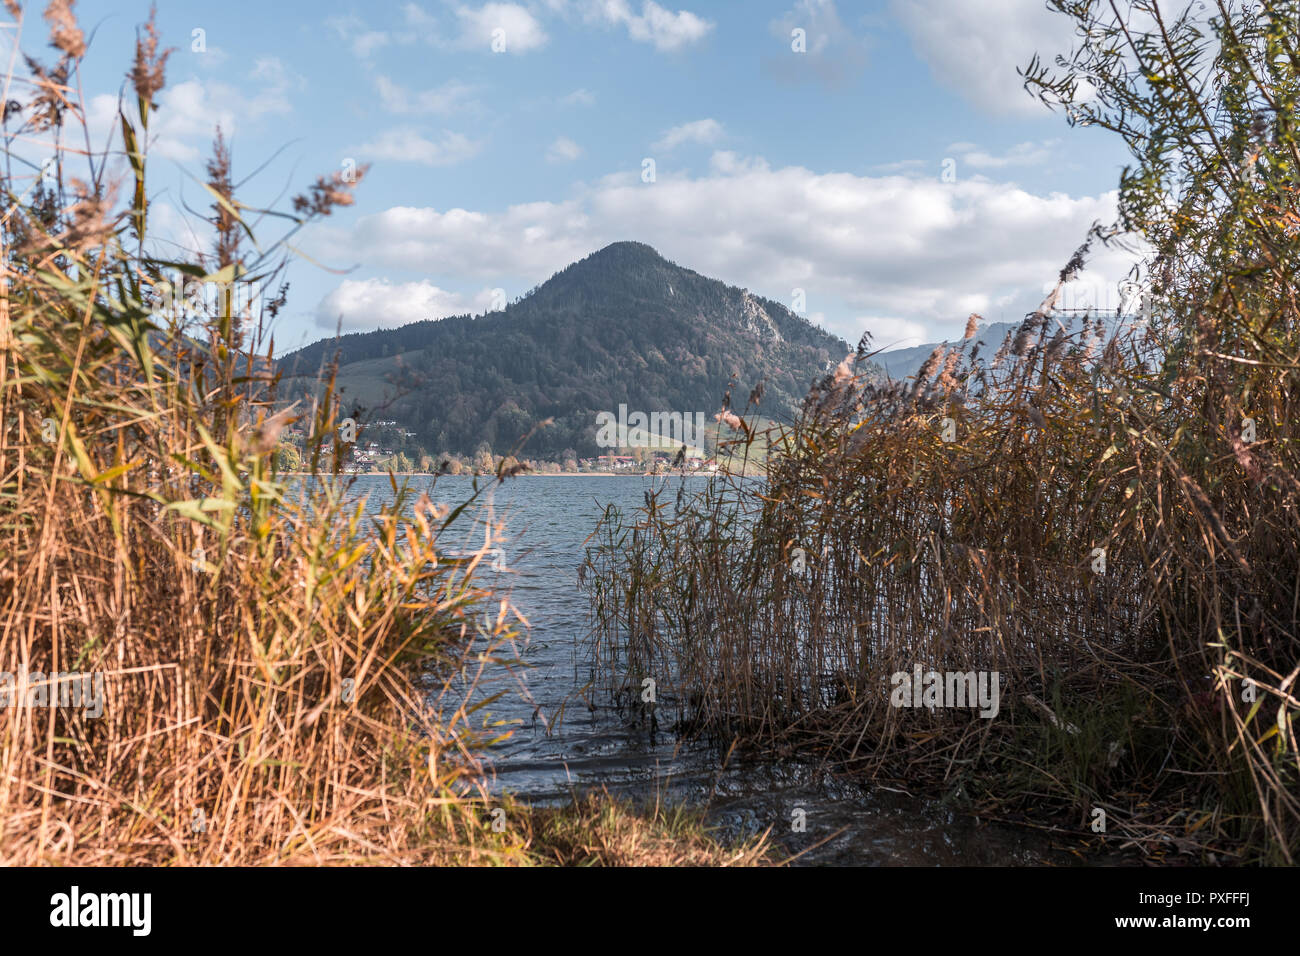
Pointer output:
548, 519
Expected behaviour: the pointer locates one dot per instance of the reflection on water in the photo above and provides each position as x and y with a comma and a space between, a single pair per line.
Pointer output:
568, 738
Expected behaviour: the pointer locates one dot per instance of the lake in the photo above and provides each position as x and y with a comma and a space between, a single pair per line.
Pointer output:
548, 520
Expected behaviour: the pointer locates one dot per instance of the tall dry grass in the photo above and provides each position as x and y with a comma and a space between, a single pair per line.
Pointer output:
287, 676
1161, 691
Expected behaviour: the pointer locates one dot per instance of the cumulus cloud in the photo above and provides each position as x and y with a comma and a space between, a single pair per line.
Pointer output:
975, 48
699, 131
408, 145
666, 30
831, 53
913, 166
362, 40
563, 150
417, 18
447, 98
579, 97
474, 27
189, 112
869, 248
725, 162
1022, 154
379, 303
519, 30
891, 332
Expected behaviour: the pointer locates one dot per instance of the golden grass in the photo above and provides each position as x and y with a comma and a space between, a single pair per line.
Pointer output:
289, 676
598, 830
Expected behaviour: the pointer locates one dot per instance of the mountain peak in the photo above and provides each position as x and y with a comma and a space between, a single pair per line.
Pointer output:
634, 268
623, 326
624, 254
625, 246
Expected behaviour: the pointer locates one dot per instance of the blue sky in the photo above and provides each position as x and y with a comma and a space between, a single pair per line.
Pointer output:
775, 170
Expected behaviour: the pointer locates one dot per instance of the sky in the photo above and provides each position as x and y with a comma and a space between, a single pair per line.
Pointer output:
894, 170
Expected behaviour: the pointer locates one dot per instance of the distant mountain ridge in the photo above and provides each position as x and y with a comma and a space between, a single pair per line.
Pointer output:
904, 363
623, 326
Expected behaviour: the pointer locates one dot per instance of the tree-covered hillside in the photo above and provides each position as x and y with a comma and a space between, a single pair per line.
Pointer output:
622, 326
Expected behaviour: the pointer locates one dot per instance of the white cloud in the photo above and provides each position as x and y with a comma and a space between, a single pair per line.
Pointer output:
447, 98
975, 48
362, 41
563, 150
520, 30
176, 232
1022, 154
906, 249
211, 58
890, 332
666, 30
579, 97
378, 303
904, 166
699, 131
418, 18
476, 27
277, 81
189, 112
832, 54
367, 43
407, 145
725, 162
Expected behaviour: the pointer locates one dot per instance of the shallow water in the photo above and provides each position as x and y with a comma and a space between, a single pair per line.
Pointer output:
565, 743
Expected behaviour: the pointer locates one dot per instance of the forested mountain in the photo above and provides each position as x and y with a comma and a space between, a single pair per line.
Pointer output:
622, 326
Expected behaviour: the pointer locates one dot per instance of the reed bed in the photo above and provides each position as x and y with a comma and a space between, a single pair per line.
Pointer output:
287, 677
276, 671
1085, 512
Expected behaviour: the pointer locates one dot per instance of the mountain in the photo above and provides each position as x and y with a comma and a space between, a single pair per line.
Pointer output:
622, 326
904, 363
